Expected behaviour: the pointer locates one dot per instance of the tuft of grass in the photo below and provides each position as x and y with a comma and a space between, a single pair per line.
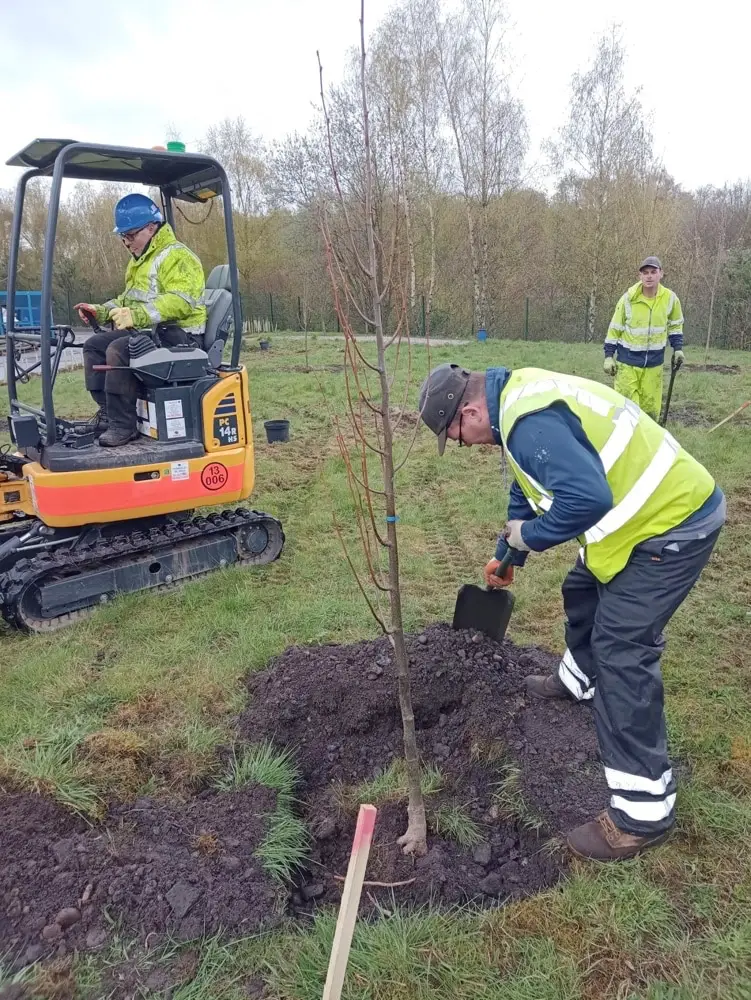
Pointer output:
53, 767
286, 841
390, 786
285, 845
511, 803
261, 764
455, 823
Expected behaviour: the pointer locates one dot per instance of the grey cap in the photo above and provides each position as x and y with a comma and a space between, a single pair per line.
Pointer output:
440, 396
650, 262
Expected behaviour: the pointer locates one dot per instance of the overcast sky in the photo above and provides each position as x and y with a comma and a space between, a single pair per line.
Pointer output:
117, 71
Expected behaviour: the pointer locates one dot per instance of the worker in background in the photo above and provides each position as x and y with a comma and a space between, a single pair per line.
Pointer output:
646, 316
589, 464
164, 291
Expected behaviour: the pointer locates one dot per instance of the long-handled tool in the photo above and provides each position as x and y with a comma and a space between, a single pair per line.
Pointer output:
673, 372
488, 610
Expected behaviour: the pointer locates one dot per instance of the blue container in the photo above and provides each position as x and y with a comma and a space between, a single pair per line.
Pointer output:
28, 311
482, 334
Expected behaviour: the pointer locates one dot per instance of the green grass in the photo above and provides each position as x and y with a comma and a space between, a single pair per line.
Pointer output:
286, 841
455, 823
262, 764
390, 786
167, 670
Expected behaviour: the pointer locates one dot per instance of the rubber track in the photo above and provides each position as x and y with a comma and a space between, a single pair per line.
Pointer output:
24, 572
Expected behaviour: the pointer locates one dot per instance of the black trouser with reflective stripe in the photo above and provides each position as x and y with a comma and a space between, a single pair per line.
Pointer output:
614, 638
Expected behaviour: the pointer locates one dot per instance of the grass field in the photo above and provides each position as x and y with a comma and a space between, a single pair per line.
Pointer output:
137, 699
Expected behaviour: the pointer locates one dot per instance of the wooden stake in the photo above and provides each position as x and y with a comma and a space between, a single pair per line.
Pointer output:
733, 414
345, 923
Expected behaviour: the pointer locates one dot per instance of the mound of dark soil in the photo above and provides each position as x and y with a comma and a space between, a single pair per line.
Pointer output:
152, 868
336, 705
718, 369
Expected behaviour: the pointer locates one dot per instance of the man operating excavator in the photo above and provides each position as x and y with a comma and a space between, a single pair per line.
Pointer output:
164, 293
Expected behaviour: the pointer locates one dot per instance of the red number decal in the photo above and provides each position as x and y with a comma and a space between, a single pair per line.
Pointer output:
215, 476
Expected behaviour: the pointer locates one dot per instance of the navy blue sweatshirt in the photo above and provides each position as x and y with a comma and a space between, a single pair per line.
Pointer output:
551, 446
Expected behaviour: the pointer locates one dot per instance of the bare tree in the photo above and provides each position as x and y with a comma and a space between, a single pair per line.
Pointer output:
606, 136
363, 235
488, 125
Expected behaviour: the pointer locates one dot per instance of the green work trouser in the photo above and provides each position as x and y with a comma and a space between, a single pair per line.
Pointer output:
641, 385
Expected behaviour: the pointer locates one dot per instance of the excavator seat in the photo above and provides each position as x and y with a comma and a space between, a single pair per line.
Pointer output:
218, 298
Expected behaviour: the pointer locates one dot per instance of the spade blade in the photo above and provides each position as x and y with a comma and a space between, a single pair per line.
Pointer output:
487, 611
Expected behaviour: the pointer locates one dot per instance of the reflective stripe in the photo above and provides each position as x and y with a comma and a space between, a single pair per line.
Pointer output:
596, 403
137, 294
624, 782
152, 313
617, 326
112, 304
573, 666
645, 331
644, 812
616, 444
581, 555
643, 348
572, 685
194, 303
639, 493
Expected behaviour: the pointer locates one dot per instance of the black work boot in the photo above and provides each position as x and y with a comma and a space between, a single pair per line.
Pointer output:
122, 429
546, 686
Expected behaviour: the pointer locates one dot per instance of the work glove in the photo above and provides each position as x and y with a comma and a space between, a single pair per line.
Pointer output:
609, 366
494, 581
86, 311
513, 535
678, 358
122, 317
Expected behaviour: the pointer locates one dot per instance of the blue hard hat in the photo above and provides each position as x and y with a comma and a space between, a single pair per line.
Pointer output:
135, 211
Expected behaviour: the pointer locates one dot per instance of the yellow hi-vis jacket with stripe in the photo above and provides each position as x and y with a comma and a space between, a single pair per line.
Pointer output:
655, 483
640, 327
164, 285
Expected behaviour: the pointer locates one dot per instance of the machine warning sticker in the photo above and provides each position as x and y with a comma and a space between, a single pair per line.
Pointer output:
176, 428
179, 470
173, 409
214, 476
225, 430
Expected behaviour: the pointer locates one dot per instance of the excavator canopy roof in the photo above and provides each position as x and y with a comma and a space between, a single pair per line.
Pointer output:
186, 176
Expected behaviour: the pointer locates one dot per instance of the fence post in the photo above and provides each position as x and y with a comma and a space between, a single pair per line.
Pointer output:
423, 314
338, 327
271, 309
299, 313
526, 318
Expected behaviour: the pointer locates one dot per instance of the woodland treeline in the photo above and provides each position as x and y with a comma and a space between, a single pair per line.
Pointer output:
480, 236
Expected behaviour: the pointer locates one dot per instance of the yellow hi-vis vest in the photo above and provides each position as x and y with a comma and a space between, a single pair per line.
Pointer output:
655, 483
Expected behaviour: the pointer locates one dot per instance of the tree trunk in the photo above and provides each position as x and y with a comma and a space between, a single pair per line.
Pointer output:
483, 310
475, 266
411, 251
414, 840
431, 276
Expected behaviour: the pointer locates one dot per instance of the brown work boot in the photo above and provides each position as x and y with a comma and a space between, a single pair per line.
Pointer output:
546, 686
100, 422
602, 840
115, 437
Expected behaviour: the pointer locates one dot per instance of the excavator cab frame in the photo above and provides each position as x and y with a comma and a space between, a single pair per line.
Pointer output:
190, 177
80, 524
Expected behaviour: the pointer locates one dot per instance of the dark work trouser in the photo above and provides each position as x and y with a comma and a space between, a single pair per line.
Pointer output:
614, 639
111, 348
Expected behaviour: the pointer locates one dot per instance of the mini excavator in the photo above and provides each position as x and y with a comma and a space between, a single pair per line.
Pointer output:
80, 524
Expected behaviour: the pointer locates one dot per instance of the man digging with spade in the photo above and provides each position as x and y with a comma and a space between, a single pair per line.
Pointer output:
589, 464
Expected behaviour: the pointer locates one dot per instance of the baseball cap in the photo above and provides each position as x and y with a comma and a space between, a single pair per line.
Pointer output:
440, 396
650, 262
